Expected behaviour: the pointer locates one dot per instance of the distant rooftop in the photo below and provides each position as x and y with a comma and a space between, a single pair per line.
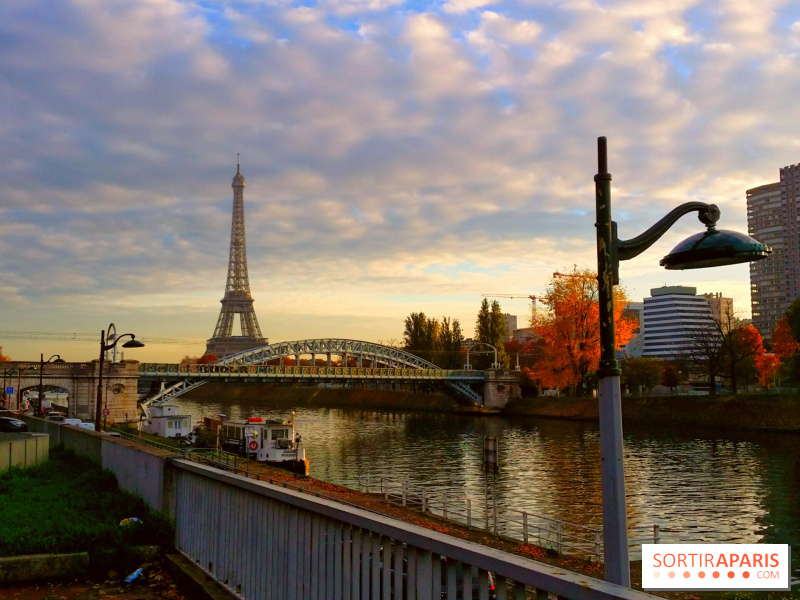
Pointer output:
674, 289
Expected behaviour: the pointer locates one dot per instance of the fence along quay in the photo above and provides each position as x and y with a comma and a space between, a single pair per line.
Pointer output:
265, 541
561, 536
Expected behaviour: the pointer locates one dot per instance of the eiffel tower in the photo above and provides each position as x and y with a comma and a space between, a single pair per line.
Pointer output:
237, 299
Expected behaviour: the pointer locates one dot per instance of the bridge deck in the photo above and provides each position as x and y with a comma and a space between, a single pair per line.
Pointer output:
226, 372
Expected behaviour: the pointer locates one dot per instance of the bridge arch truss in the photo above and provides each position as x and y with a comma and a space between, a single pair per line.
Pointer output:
377, 354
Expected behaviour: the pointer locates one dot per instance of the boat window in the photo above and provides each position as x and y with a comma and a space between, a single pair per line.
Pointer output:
169, 424
280, 434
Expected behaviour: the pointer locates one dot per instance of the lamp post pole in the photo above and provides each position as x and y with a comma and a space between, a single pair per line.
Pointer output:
42, 363
712, 248
132, 343
615, 523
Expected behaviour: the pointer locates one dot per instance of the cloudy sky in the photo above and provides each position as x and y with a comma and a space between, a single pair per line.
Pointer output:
399, 156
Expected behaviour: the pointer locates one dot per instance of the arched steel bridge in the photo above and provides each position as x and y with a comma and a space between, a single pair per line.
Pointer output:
251, 365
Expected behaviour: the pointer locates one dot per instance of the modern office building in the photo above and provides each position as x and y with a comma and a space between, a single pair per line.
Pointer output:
635, 346
675, 317
772, 218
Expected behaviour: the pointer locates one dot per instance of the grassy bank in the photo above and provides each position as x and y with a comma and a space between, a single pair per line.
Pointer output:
70, 504
757, 412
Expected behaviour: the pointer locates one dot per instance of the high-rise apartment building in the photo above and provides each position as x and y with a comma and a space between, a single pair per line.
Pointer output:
511, 325
772, 218
722, 311
675, 318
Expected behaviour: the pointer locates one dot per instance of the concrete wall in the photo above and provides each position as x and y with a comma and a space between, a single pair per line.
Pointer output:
500, 387
23, 450
139, 469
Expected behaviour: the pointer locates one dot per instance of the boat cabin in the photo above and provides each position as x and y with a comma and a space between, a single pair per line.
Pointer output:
262, 439
165, 421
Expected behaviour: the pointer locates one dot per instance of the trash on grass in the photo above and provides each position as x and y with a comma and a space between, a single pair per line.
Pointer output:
130, 521
133, 575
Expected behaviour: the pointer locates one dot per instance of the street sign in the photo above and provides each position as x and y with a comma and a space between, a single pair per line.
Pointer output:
248, 431
9, 390
106, 412
253, 445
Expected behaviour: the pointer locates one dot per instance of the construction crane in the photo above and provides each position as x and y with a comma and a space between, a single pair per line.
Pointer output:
532, 298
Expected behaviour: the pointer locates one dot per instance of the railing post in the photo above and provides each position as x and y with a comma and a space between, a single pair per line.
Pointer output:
656, 534
494, 510
597, 546
524, 527
559, 537
469, 512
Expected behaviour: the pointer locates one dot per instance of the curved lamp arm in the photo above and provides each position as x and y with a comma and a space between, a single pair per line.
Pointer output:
708, 214
117, 339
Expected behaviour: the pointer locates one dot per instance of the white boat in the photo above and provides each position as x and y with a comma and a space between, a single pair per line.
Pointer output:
165, 421
269, 441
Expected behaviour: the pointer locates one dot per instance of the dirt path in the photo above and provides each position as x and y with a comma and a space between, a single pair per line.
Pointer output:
153, 584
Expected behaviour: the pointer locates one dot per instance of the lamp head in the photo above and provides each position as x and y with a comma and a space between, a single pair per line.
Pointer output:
715, 248
133, 343
59, 360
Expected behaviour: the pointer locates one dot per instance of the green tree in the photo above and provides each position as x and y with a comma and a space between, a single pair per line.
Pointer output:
670, 376
439, 343
641, 374
419, 335
793, 319
490, 328
450, 343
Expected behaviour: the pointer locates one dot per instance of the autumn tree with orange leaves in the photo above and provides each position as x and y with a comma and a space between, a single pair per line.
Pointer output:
570, 328
767, 368
787, 349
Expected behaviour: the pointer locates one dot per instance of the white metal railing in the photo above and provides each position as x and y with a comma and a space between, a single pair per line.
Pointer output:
556, 535
263, 541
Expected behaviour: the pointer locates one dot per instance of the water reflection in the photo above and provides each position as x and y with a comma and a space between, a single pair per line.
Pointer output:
698, 486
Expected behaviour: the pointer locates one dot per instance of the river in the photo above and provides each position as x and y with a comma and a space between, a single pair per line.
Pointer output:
698, 486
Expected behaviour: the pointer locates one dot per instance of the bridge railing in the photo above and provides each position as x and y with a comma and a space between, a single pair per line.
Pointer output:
263, 541
269, 371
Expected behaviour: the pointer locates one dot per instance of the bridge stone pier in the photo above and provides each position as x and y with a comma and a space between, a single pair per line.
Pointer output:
79, 381
499, 388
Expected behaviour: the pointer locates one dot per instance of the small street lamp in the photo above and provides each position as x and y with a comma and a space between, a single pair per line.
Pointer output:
526, 349
711, 248
104, 347
19, 371
42, 362
495, 364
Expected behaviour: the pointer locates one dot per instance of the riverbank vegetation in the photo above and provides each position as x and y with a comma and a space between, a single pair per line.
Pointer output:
70, 504
771, 412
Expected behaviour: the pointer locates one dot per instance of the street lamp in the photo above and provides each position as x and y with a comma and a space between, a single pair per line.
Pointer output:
104, 347
495, 364
42, 363
19, 372
526, 349
709, 249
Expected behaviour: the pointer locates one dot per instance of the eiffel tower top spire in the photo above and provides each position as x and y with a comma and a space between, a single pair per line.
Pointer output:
237, 299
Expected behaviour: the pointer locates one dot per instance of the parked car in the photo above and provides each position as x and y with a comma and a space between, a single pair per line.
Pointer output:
10, 424
85, 425
55, 416
72, 421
